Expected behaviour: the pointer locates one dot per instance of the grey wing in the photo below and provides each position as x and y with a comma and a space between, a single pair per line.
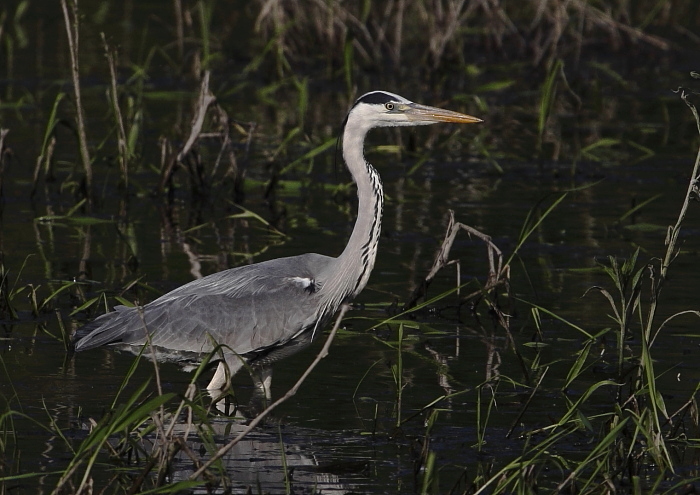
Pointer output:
246, 323
247, 308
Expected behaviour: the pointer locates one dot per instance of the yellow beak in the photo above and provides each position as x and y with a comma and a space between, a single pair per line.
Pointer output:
424, 113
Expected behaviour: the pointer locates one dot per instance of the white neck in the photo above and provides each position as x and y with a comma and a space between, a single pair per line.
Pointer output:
353, 267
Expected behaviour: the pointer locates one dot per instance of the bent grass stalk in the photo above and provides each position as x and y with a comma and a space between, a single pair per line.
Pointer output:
48, 143
397, 373
481, 419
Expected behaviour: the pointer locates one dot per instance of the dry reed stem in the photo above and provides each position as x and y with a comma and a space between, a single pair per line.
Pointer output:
179, 29
3, 135
516, 421
154, 353
255, 421
496, 270
604, 20
3, 152
673, 231
380, 31
121, 133
67, 478
692, 191
168, 159
443, 24
72, 32
223, 125
86, 254
205, 99
43, 159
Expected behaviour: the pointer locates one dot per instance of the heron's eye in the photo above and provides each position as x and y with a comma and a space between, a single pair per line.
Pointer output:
389, 106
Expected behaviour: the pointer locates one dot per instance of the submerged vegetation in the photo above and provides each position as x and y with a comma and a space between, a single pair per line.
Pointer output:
200, 119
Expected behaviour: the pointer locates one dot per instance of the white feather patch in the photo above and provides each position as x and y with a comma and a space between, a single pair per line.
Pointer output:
304, 282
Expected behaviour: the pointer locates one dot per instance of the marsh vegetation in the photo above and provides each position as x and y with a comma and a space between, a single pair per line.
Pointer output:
531, 324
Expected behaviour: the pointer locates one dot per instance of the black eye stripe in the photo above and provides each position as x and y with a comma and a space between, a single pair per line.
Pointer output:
376, 98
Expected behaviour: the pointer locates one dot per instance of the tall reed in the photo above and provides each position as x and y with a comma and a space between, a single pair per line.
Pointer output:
71, 19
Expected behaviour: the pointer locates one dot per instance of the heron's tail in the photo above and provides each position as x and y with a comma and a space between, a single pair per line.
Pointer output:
107, 329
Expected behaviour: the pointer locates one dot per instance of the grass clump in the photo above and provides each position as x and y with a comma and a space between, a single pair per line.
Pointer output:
629, 440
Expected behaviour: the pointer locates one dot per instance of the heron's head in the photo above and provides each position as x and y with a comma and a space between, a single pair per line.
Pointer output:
384, 109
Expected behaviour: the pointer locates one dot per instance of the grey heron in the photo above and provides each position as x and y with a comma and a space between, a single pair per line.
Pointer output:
262, 312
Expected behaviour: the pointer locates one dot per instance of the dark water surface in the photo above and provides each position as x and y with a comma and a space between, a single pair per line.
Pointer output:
339, 431
330, 421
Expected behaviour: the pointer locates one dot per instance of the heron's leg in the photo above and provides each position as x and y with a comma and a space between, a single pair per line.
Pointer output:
262, 378
219, 381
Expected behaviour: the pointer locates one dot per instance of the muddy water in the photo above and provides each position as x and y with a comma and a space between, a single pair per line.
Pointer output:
339, 431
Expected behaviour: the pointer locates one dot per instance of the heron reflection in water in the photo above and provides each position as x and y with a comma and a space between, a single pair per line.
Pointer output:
266, 311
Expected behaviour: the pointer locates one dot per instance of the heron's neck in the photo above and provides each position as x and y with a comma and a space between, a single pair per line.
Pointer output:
357, 260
